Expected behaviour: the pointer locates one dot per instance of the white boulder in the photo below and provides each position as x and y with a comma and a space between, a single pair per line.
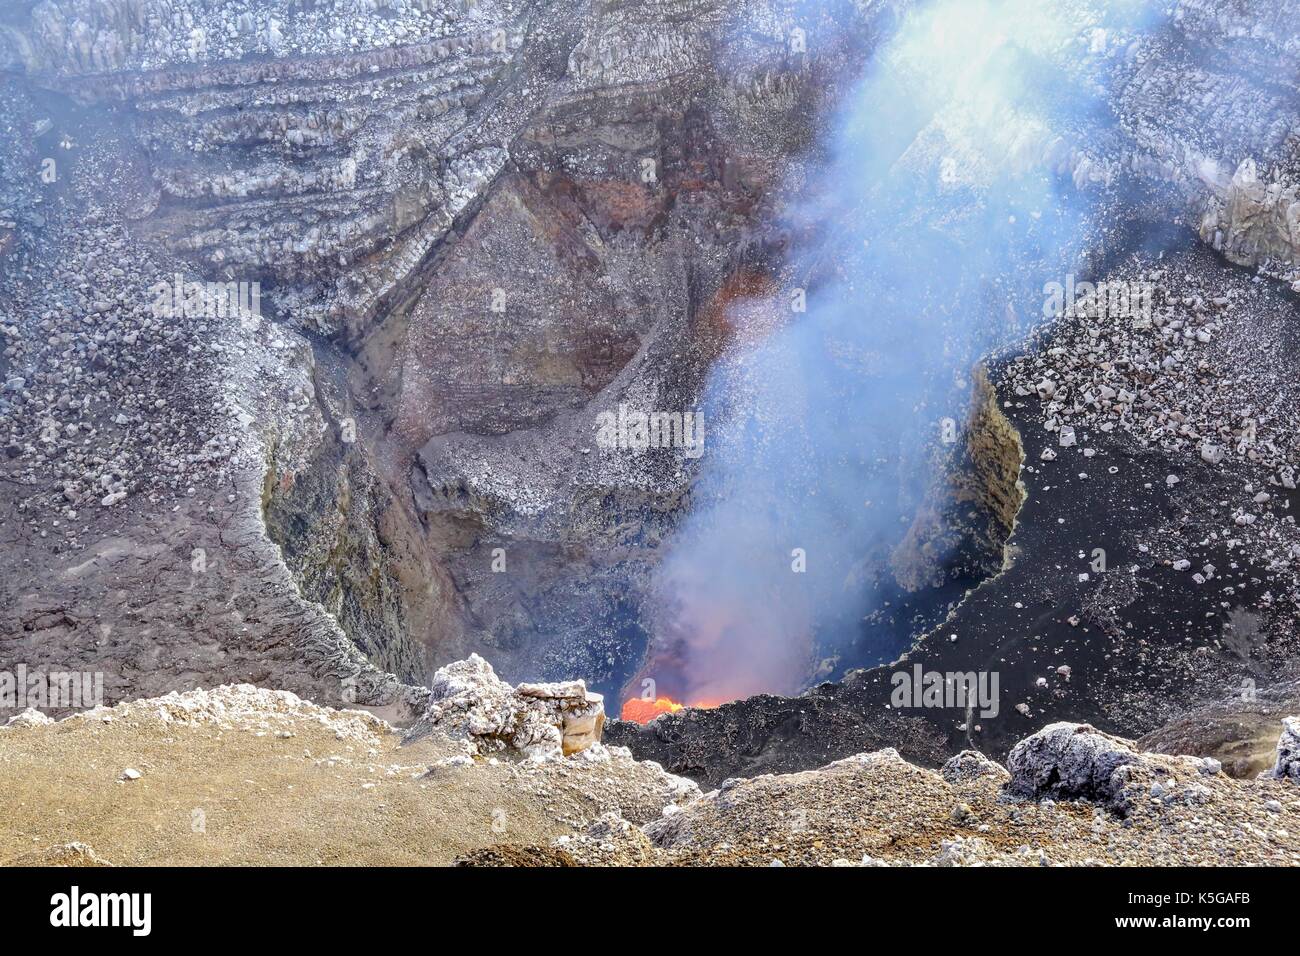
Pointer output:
468, 701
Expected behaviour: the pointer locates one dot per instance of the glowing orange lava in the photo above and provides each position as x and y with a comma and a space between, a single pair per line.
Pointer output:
644, 711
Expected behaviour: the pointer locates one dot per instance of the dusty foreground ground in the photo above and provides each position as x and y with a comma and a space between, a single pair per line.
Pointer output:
238, 776
245, 776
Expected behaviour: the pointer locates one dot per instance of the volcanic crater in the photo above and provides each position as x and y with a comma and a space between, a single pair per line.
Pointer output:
477, 228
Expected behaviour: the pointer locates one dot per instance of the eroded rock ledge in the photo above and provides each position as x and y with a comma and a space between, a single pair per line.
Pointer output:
469, 702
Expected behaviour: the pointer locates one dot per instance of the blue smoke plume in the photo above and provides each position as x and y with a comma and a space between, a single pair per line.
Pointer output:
937, 213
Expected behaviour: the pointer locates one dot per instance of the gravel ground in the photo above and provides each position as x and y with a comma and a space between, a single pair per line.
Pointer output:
879, 810
237, 776
241, 776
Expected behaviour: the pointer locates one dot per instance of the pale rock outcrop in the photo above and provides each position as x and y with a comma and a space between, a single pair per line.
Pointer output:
243, 707
1250, 220
582, 714
1288, 752
966, 851
31, 717
468, 701
972, 765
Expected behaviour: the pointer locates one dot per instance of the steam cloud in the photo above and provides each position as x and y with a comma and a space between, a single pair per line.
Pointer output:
935, 219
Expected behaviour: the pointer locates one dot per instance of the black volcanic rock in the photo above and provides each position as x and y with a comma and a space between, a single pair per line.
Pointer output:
1128, 648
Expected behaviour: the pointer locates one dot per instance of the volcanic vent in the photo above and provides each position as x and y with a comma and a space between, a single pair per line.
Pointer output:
824, 230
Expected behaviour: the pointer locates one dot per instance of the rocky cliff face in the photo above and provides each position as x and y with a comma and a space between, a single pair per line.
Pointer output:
475, 227
502, 222
490, 220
